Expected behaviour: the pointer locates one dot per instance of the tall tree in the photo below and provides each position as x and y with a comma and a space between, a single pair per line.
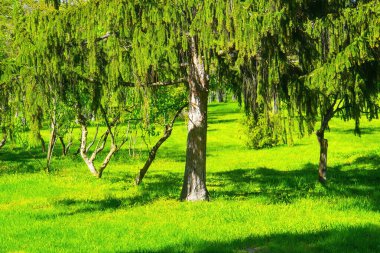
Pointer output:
145, 43
328, 66
8, 71
345, 79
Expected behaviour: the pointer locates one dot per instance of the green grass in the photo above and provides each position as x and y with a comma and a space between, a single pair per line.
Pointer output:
261, 201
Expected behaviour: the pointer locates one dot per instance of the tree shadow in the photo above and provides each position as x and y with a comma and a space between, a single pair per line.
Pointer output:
363, 130
20, 161
154, 188
275, 186
20, 167
217, 120
269, 185
21, 155
355, 239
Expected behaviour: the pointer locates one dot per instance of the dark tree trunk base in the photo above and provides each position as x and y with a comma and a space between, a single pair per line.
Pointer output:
322, 169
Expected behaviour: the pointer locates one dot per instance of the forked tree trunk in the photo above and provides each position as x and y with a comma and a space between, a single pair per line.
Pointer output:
323, 144
65, 148
100, 146
194, 184
83, 152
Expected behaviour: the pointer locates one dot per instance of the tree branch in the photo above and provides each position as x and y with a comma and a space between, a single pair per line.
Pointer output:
155, 84
153, 152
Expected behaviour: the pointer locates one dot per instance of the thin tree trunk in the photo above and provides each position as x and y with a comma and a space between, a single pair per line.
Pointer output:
64, 153
323, 144
107, 160
43, 146
194, 183
3, 141
220, 96
53, 139
65, 148
83, 153
153, 151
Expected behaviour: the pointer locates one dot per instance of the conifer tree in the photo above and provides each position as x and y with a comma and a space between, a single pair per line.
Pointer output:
7, 73
328, 66
145, 44
345, 78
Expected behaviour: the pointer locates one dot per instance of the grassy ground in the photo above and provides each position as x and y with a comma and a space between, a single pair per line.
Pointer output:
262, 201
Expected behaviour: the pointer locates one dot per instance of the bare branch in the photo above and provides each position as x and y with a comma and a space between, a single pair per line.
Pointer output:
101, 38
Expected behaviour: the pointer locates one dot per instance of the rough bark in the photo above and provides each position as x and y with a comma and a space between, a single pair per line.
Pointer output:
153, 151
323, 143
194, 183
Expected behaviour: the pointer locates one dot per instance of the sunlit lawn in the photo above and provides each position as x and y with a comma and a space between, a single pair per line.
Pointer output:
261, 201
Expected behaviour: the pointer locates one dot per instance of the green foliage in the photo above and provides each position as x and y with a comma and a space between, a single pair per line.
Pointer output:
264, 134
321, 61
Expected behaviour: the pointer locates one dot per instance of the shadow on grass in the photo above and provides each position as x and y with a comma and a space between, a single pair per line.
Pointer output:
363, 130
269, 185
21, 161
20, 154
275, 186
157, 187
360, 239
216, 120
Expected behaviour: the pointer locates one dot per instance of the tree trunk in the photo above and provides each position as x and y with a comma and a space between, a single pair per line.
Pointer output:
43, 146
53, 139
194, 184
220, 96
66, 148
89, 162
323, 143
153, 151
3, 141
64, 153
107, 160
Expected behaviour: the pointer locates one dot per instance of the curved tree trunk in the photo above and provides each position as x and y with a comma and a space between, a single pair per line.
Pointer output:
52, 141
153, 151
66, 148
323, 144
194, 184
43, 146
86, 159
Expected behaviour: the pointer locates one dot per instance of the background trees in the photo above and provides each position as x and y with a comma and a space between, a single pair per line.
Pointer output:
327, 67
102, 62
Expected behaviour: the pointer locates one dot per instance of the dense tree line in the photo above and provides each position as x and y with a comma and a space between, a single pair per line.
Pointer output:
91, 63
